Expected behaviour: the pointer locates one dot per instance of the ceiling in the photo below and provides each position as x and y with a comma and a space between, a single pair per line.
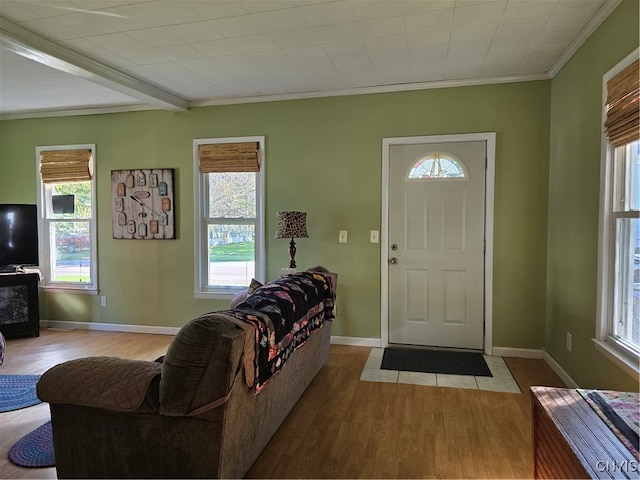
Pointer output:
95, 56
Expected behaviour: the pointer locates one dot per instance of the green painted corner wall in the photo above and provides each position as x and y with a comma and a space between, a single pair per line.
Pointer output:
323, 156
574, 184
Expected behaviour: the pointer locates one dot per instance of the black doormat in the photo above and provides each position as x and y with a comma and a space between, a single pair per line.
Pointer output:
435, 361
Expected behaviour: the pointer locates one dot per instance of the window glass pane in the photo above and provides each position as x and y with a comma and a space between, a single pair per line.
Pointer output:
633, 156
627, 285
71, 253
436, 166
81, 192
232, 195
626, 323
231, 255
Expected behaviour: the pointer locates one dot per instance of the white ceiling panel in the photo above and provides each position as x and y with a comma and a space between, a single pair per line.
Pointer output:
429, 20
321, 14
133, 54
288, 18
255, 43
479, 12
373, 9
239, 26
190, 33
359, 77
168, 13
26, 83
211, 10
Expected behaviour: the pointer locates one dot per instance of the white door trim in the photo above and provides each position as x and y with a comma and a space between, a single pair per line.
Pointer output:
490, 139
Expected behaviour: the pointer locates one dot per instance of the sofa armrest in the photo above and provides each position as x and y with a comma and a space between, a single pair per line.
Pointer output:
103, 382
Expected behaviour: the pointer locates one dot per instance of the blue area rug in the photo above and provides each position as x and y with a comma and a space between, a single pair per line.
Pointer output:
18, 391
34, 449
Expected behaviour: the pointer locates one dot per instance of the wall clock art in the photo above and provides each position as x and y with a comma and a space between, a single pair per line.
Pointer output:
143, 206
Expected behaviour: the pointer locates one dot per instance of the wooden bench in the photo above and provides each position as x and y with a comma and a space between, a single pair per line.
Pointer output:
570, 440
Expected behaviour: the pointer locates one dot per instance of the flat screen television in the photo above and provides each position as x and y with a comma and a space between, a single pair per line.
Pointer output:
18, 235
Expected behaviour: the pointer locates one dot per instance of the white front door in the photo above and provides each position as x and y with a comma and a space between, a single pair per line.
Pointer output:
436, 225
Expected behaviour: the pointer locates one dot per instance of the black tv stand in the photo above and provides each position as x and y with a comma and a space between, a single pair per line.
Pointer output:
19, 307
10, 269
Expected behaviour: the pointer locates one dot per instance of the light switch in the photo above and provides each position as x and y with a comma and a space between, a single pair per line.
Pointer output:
374, 236
342, 236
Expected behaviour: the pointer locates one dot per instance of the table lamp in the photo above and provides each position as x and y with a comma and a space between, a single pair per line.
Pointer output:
291, 225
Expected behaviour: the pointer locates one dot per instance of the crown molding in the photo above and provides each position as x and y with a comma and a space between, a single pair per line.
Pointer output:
284, 97
406, 87
72, 112
584, 34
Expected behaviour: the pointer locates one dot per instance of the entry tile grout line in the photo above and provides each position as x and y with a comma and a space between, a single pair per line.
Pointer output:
501, 381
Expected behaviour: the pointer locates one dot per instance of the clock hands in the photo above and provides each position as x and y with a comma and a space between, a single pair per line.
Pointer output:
143, 205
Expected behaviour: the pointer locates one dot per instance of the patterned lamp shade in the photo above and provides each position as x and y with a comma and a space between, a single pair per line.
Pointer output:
291, 225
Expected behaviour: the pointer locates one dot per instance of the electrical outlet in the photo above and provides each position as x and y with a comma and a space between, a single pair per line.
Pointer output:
103, 301
569, 341
342, 236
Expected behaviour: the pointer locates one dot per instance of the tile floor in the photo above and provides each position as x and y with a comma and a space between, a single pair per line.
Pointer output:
502, 381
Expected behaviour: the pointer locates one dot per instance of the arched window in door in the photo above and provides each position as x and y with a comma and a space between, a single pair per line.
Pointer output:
437, 166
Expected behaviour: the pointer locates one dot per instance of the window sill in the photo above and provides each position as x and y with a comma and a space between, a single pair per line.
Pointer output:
73, 290
218, 295
625, 360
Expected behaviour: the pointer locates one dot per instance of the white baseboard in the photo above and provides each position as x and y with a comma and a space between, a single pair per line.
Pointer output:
517, 352
119, 327
336, 340
356, 341
555, 366
109, 327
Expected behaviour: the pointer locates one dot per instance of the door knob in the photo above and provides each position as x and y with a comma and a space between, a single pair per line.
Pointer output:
393, 261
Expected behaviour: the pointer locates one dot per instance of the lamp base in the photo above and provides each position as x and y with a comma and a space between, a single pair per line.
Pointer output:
292, 254
287, 271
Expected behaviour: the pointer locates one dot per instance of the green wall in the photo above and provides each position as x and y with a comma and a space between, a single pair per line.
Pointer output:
322, 156
574, 185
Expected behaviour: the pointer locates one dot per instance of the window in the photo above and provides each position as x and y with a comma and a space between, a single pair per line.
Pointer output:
229, 175
437, 166
66, 204
626, 231
618, 324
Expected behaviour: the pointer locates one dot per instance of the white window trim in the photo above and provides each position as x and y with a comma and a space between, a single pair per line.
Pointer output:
201, 241
44, 237
614, 350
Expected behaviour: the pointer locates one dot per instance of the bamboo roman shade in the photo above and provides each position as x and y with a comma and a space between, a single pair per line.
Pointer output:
229, 157
622, 123
64, 166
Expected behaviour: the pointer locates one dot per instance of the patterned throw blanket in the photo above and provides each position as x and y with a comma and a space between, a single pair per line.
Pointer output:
620, 411
284, 313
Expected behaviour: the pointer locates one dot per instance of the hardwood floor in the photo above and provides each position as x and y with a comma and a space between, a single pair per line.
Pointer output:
341, 427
